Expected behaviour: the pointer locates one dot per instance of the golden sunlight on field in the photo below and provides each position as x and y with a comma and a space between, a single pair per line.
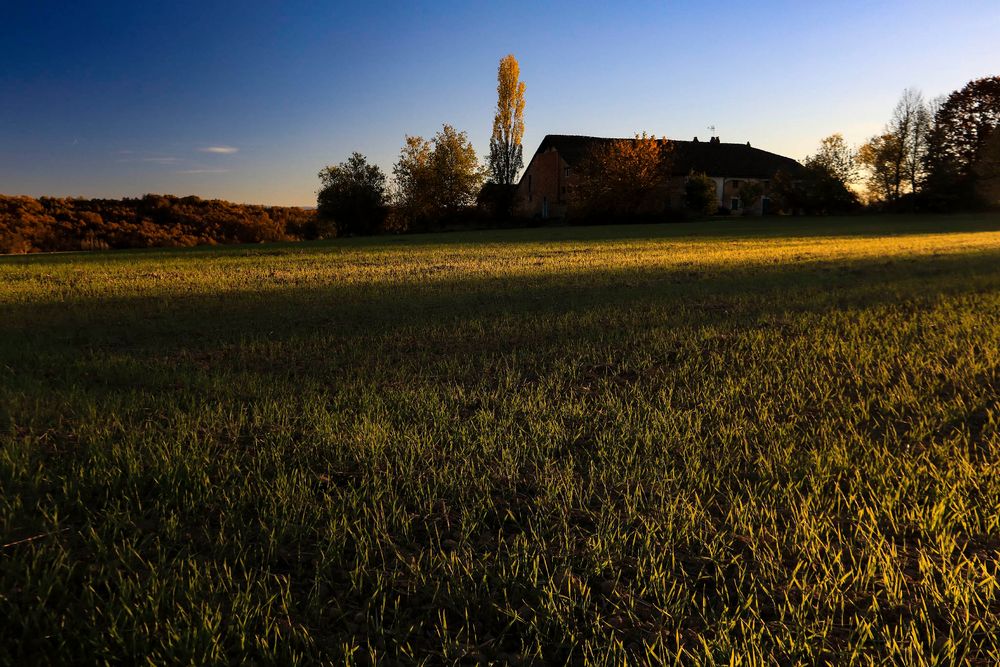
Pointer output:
604, 445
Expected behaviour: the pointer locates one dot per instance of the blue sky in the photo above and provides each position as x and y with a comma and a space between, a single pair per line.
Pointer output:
247, 101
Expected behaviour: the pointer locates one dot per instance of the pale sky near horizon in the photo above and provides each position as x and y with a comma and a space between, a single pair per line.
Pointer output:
248, 101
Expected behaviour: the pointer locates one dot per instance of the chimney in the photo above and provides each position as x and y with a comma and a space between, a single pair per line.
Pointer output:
696, 140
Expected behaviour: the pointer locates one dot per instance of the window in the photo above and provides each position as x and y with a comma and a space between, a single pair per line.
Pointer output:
566, 172
529, 184
734, 204
735, 183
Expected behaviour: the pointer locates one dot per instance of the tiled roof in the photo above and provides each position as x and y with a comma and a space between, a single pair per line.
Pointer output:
714, 159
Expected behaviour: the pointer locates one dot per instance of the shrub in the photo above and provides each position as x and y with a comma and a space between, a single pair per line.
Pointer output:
699, 194
48, 224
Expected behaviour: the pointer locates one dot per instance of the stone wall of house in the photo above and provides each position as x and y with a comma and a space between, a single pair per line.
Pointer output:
731, 190
543, 189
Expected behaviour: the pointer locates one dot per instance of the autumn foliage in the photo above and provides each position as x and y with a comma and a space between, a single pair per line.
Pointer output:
506, 156
934, 156
49, 224
435, 181
621, 178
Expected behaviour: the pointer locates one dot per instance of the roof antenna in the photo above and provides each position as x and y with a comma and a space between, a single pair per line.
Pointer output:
711, 128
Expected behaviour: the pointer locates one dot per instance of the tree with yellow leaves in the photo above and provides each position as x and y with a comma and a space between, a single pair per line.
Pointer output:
835, 159
506, 158
621, 178
880, 157
435, 179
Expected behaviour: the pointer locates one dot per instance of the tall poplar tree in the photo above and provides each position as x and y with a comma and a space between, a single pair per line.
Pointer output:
506, 158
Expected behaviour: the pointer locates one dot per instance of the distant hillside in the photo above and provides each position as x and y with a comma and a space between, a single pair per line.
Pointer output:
49, 224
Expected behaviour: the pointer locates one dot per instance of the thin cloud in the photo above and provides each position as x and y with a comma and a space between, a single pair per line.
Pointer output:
202, 171
129, 156
219, 150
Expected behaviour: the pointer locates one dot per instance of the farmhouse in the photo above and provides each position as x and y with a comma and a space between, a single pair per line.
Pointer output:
548, 182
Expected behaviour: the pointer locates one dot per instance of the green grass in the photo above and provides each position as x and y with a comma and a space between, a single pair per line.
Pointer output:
746, 442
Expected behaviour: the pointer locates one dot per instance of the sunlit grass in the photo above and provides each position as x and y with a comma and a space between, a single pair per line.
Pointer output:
769, 440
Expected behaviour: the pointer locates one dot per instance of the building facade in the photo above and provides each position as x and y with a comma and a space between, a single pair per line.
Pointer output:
546, 187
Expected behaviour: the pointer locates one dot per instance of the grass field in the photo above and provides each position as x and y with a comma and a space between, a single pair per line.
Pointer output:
746, 442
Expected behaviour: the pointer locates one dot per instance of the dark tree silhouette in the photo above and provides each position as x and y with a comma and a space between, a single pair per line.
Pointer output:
699, 194
352, 199
816, 190
987, 170
962, 126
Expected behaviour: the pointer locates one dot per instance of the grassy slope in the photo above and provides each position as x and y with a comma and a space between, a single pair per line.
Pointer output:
771, 437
